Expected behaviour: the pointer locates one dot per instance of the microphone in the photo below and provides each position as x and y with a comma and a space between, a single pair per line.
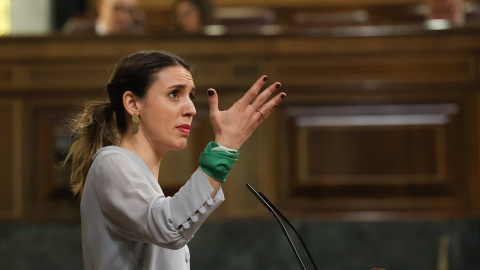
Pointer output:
270, 207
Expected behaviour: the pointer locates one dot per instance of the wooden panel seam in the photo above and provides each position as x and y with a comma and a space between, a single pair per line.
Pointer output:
17, 159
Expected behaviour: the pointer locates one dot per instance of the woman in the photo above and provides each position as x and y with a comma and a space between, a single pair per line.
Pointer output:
191, 16
127, 222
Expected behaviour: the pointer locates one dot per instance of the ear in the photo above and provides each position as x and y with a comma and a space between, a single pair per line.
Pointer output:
130, 102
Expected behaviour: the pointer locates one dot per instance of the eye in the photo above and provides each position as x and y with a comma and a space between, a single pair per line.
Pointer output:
192, 96
173, 94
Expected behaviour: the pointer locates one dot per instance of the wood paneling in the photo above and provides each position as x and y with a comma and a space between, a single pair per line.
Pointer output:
6, 160
381, 68
47, 138
406, 156
10, 159
375, 126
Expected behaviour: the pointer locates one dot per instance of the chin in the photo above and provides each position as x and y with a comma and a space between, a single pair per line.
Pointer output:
181, 145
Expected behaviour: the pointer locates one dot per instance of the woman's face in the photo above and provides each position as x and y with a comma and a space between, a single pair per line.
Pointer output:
188, 17
167, 110
118, 15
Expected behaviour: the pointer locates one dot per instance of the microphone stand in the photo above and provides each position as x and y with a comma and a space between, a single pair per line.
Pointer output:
291, 226
270, 207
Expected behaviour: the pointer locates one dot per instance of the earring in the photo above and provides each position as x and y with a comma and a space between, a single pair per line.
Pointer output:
135, 121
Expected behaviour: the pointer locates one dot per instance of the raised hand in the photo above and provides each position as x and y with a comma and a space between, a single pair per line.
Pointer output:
235, 125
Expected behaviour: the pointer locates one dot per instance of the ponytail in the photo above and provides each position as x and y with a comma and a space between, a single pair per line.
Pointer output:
94, 128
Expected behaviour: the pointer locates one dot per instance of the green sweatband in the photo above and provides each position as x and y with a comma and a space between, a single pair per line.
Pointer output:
217, 161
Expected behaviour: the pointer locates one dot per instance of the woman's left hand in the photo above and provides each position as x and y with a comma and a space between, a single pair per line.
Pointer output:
235, 125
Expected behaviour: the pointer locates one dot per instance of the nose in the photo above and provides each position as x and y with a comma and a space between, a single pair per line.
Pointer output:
189, 110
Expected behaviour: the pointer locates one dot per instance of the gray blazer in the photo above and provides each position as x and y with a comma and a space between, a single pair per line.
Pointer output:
128, 223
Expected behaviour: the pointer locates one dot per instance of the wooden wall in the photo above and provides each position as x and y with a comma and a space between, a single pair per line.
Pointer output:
374, 127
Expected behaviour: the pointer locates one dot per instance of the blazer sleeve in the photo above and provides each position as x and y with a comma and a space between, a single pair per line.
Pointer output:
133, 209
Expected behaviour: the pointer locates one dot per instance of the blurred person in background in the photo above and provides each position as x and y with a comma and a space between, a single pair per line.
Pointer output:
191, 16
114, 17
451, 10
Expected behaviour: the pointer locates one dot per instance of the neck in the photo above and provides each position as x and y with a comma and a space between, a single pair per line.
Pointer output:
144, 150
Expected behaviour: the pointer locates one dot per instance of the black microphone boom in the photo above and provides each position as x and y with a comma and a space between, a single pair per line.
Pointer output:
270, 207
291, 226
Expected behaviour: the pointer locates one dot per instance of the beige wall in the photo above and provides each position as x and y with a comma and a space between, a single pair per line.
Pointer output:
30, 17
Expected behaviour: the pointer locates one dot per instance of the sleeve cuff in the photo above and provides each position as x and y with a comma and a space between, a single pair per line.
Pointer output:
190, 198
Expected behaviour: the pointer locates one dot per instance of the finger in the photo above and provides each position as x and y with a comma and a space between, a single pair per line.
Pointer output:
212, 100
262, 97
268, 107
250, 95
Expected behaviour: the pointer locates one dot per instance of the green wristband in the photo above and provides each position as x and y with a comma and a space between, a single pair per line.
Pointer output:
217, 162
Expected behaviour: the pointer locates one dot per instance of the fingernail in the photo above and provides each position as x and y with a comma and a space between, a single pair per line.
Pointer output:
282, 96
278, 85
265, 78
211, 92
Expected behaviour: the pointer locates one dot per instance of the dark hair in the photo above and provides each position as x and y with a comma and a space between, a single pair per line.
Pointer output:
136, 73
204, 6
95, 126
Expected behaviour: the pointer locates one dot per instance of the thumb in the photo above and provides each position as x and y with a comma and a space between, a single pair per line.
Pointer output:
212, 100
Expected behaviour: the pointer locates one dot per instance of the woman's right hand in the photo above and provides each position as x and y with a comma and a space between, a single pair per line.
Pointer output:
235, 125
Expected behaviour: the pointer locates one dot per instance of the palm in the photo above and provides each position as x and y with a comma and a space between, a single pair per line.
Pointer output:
234, 126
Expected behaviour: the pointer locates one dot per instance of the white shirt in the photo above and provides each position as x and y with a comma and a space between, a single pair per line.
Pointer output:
128, 223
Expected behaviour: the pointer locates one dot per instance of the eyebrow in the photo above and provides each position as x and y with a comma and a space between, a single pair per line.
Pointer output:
183, 86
